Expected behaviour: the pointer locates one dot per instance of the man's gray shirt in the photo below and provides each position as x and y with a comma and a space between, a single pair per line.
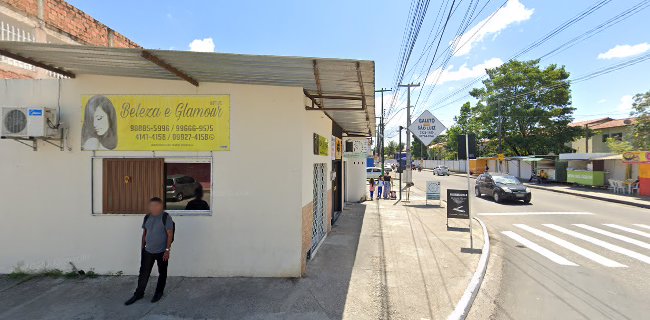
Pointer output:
156, 239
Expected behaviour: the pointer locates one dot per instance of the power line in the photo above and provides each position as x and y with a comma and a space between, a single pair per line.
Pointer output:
563, 26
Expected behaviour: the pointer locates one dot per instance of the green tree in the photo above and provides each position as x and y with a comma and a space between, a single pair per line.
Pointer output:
534, 104
390, 149
418, 150
619, 146
641, 127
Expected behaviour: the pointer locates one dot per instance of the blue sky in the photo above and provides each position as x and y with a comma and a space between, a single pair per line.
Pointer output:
373, 30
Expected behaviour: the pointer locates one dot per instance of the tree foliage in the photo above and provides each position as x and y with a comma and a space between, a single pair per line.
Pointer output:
641, 127
534, 104
619, 146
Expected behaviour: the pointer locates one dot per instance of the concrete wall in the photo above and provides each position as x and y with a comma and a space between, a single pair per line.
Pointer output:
355, 176
255, 227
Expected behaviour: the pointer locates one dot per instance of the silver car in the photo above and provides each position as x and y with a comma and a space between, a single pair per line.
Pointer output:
179, 187
441, 171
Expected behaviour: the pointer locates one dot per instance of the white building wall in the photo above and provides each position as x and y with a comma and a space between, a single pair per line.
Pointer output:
355, 178
255, 225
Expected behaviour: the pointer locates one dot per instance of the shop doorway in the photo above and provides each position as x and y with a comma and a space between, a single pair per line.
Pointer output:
337, 190
320, 203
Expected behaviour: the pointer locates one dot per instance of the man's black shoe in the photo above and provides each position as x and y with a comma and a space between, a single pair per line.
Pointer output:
132, 300
156, 297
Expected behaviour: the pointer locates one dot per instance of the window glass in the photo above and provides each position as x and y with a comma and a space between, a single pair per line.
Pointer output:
192, 188
506, 179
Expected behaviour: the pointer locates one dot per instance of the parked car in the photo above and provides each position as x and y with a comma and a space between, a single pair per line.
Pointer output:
388, 168
373, 172
441, 171
179, 187
501, 187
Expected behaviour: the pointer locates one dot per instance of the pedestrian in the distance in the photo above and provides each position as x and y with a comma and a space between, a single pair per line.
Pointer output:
371, 187
487, 168
380, 186
157, 237
387, 185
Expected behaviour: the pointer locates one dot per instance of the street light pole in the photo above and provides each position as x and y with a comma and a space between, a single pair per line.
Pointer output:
408, 135
383, 159
399, 162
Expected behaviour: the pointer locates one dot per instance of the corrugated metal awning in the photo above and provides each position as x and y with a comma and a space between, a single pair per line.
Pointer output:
343, 89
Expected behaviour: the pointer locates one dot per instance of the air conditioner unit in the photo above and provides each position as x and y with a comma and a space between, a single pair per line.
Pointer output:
28, 122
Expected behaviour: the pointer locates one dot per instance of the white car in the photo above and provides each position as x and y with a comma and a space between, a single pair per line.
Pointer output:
373, 172
441, 171
388, 168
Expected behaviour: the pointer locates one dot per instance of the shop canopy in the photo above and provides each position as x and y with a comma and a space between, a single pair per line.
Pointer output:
343, 89
534, 159
612, 157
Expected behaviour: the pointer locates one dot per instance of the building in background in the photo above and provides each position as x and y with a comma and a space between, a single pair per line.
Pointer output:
49, 21
600, 130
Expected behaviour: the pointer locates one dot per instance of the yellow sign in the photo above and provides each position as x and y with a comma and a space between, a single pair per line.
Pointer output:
156, 122
637, 156
339, 149
501, 156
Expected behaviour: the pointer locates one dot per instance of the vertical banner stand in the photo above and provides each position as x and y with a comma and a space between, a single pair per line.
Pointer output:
469, 196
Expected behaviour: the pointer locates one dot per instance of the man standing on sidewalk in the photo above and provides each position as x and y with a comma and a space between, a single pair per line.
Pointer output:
157, 238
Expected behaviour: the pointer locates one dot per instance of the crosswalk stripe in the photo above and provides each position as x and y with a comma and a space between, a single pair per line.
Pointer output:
539, 249
615, 235
642, 225
630, 230
601, 243
570, 246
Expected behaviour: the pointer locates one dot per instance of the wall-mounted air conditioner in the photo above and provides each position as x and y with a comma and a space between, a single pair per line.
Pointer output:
20, 122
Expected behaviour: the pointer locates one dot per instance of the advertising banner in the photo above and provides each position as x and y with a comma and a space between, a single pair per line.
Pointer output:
457, 204
339, 149
155, 122
321, 145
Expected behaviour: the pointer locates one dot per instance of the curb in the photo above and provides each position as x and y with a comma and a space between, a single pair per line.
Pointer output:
641, 205
465, 304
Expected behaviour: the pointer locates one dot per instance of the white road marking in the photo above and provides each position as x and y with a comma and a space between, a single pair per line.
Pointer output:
570, 246
615, 236
539, 249
642, 225
630, 230
531, 213
601, 243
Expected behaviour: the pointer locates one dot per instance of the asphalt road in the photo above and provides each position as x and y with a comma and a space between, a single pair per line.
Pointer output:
589, 259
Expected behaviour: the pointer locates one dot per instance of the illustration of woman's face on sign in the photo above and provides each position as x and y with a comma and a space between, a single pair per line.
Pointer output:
100, 122
99, 131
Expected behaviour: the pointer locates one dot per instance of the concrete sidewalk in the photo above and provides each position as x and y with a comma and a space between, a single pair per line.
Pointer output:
587, 192
381, 261
593, 193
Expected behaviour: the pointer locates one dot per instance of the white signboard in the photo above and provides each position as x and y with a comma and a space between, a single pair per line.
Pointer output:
426, 127
433, 190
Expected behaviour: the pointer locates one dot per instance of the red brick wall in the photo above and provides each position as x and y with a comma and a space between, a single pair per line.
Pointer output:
63, 17
6, 74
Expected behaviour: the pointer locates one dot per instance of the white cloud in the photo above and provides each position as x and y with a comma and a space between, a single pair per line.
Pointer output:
202, 45
602, 101
463, 72
513, 12
625, 104
624, 51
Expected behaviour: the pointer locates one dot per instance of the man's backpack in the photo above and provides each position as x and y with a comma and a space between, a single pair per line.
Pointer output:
164, 220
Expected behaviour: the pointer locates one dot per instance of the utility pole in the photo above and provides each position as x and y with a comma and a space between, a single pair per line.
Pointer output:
399, 162
409, 181
383, 159
500, 136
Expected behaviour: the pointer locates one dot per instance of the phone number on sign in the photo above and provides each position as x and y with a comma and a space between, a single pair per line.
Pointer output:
175, 137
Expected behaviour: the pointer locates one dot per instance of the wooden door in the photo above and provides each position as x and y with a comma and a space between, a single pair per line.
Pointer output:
128, 184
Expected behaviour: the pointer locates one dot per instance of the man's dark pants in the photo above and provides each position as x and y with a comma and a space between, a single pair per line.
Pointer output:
146, 264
